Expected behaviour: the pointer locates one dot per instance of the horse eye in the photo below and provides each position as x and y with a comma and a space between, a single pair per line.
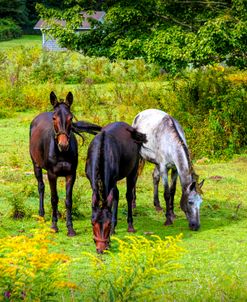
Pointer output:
191, 203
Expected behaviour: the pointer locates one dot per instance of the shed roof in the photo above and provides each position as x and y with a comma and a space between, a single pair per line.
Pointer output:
97, 15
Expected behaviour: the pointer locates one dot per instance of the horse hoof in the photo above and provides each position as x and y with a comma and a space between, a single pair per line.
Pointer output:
168, 222
131, 230
158, 208
54, 229
71, 233
133, 205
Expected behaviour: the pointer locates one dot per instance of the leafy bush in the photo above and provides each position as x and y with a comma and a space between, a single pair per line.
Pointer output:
169, 48
210, 102
9, 30
29, 271
141, 268
212, 105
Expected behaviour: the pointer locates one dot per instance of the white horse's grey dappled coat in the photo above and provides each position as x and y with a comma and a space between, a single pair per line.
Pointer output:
166, 147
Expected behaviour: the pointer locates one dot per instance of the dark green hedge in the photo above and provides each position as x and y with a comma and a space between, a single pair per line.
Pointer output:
9, 30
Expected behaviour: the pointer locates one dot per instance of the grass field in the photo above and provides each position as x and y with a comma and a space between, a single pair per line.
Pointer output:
214, 265
25, 41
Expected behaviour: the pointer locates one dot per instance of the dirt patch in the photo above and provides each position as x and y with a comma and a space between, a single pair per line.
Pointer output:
216, 177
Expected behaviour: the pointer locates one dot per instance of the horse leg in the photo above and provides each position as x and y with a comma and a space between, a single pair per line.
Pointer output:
130, 195
54, 199
115, 193
41, 189
167, 197
156, 180
174, 175
134, 199
70, 180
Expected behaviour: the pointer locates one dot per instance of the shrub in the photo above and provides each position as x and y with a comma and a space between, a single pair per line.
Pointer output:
141, 268
212, 107
9, 30
29, 271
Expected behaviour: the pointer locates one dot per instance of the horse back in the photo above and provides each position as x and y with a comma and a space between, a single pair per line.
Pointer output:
164, 135
113, 154
122, 142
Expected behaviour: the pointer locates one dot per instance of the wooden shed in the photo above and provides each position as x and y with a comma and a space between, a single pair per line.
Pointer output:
49, 43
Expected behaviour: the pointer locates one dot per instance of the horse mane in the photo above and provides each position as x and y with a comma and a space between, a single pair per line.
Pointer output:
101, 167
173, 128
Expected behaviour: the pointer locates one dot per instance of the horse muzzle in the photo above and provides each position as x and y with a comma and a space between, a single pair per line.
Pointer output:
194, 226
63, 143
101, 244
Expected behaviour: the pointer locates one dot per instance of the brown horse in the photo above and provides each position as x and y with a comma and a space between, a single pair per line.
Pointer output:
112, 155
53, 147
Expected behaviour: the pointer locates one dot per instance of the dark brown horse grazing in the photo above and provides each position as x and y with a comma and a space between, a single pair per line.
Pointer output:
112, 155
53, 147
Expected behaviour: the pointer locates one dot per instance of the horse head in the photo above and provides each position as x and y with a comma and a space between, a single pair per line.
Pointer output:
62, 120
101, 222
190, 204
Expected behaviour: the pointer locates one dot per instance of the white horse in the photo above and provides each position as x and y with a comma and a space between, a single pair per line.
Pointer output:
166, 147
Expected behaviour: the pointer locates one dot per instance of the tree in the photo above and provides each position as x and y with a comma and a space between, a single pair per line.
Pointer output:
172, 33
15, 10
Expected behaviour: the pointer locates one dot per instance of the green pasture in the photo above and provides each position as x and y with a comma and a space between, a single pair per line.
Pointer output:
214, 264
25, 41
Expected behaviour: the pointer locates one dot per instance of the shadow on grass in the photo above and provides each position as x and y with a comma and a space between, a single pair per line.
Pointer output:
148, 222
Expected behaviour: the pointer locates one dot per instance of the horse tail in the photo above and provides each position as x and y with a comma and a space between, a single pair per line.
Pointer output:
140, 166
82, 126
138, 137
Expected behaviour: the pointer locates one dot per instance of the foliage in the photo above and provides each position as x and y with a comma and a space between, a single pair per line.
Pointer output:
138, 271
212, 270
15, 9
212, 105
169, 48
9, 30
171, 33
209, 102
29, 271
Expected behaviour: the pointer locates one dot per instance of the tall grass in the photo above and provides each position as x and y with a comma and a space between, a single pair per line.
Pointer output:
210, 103
212, 269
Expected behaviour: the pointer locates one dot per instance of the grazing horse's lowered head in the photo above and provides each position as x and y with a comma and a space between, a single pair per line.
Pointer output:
190, 203
101, 223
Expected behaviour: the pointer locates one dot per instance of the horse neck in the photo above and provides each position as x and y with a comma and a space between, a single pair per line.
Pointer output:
184, 166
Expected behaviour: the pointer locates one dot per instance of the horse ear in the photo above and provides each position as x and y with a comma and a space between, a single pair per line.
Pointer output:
53, 99
69, 99
201, 183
